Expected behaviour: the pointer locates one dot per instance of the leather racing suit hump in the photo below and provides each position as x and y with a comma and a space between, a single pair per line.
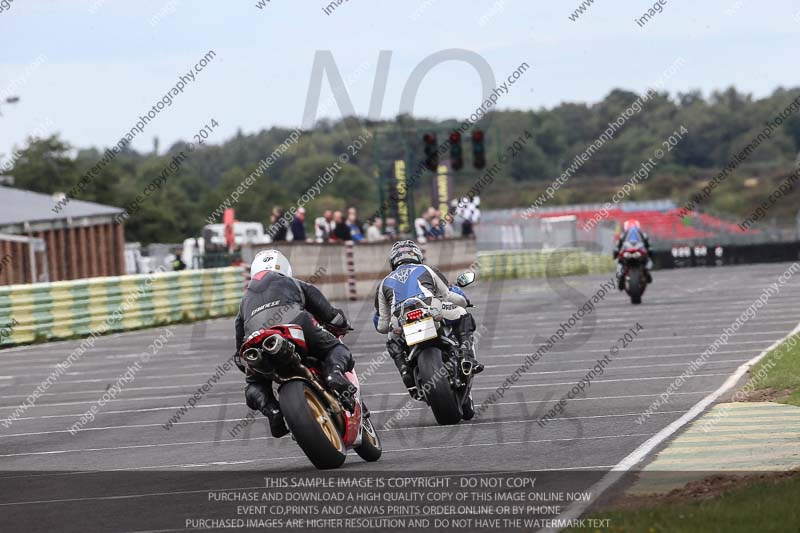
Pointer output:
420, 281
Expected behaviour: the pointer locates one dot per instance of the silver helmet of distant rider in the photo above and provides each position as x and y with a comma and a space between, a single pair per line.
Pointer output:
405, 252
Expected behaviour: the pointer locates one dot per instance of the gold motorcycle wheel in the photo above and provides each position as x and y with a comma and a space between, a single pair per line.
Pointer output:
312, 426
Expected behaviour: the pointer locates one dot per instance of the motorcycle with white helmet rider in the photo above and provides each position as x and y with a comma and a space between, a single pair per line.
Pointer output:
274, 297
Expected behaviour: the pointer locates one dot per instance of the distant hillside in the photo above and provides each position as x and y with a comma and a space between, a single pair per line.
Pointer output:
719, 126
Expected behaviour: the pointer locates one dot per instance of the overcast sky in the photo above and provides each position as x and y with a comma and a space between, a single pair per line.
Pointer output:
88, 69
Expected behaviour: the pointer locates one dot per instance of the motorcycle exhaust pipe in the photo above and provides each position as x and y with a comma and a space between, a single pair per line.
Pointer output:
274, 344
252, 356
466, 367
279, 349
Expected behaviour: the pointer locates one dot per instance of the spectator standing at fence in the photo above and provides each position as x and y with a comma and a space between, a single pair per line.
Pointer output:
278, 229
341, 231
470, 212
352, 212
298, 226
323, 226
437, 229
391, 229
374, 232
422, 226
447, 228
355, 225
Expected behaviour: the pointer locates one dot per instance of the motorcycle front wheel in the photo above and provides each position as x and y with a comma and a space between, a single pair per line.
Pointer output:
312, 425
370, 448
635, 288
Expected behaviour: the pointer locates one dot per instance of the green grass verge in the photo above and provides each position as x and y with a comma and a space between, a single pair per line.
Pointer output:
763, 507
779, 370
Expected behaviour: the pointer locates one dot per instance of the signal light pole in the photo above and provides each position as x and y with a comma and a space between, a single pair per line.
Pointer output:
431, 151
478, 149
456, 153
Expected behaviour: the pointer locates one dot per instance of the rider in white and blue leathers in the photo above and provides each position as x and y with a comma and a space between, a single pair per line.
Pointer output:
632, 233
410, 278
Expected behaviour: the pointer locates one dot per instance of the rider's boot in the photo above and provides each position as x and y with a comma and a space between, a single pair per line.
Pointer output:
464, 329
259, 397
397, 353
339, 361
468, 408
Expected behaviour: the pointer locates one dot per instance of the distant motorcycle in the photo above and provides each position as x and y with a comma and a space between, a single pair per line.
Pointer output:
634, 259
322, 422
443, 379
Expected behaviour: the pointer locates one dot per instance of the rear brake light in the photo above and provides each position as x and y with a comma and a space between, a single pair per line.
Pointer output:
416, 314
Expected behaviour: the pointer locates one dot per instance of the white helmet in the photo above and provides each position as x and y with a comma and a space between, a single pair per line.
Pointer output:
270, 260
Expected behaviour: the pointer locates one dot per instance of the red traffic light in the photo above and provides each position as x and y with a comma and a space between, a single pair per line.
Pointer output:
455, 137
477, 136
429, 138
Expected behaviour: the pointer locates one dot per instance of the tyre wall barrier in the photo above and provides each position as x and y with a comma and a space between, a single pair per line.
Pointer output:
66, 309
508, 264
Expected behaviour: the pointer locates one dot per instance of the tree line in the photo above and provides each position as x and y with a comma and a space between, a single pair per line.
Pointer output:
719, 125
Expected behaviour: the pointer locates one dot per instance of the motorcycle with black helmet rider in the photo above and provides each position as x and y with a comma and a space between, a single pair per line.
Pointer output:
415, 290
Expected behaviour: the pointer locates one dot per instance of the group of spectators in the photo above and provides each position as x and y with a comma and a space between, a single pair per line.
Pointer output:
334, 226
432, 225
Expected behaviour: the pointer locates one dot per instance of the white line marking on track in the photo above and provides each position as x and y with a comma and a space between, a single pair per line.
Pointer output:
133, 446
236, 404
636, 456
463, 426
365, 396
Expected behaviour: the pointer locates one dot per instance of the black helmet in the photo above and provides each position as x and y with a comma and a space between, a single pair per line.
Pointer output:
405, 252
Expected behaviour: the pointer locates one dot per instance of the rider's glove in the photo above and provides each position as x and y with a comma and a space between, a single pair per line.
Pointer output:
339, 321
237, 359
458, 290
338, 325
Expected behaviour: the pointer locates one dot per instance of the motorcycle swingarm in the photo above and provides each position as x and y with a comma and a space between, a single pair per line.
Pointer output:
327, 396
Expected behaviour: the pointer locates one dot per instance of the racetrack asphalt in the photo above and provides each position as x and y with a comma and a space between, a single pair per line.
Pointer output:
683, 313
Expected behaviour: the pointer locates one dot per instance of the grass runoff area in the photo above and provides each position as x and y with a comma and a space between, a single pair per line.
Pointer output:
767, 504
779, 373
726, 503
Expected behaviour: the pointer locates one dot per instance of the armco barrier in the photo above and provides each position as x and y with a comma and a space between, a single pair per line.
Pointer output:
64, 309
509, 264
